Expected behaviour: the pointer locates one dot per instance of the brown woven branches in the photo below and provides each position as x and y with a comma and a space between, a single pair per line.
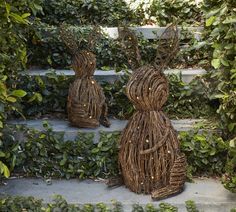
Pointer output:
129, 42
86, 101
149, 155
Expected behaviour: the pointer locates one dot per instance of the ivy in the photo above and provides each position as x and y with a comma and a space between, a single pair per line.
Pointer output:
220, 19
205, 151
46, 154
46, 96
164, 12
14, 21
48, 51
12, 204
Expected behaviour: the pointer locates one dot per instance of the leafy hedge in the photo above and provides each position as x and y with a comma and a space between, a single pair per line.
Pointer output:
12, 204
114, 12
48, 94
14, 22
47, 49
46, 154
221, 39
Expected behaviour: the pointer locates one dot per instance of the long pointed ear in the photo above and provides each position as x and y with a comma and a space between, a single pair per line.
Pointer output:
168, 46
68, 37
94, 36
129, 43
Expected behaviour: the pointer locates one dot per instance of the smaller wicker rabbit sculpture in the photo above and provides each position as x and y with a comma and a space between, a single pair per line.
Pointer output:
86, 101
149, 155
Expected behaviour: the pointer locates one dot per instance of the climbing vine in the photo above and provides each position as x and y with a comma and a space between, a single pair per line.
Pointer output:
221, 38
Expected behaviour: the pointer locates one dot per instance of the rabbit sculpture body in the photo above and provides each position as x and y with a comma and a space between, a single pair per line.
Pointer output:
149, 155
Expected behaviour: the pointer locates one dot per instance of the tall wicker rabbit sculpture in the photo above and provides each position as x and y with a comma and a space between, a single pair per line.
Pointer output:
86, 105
149, 155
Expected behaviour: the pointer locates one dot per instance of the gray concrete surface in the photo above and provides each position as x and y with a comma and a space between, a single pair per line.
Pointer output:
112, 75
209, 194
151, 32
116, 125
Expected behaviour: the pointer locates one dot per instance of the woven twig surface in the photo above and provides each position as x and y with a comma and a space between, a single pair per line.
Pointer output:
86, 105
129, 43
149, 155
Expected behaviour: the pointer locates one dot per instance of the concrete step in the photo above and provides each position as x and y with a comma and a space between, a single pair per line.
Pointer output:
112, 75
149, 31
116, 125
208, 194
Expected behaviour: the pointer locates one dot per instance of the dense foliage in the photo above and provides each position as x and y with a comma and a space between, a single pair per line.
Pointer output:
115, 12
221, 37
165, 12
28, 43
46, 154
46, 95
14, 22
49, 154
205, 152
12, 204
47, 49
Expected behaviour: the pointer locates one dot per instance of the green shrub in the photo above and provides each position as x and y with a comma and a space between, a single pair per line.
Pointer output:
184, 12
205, 152
48, 94
106, 13
221, 40
46, 154
229, 178
13, 204
47, 49
14, 22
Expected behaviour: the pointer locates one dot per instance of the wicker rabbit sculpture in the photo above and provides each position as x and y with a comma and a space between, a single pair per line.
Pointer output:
149, 155
86, 105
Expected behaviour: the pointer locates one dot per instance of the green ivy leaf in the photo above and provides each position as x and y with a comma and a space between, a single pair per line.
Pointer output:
2, 154
229, 20
224, 62
19, 93
210, 21
231, 126
4, 170
215, 63
25, 15
11, 99
232, 143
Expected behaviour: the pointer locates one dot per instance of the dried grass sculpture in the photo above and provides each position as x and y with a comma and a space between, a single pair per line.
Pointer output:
149, 156
86, 101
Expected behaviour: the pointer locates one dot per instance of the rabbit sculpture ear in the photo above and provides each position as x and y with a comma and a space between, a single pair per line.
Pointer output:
168, 46
68, 37
129, 44
94, 37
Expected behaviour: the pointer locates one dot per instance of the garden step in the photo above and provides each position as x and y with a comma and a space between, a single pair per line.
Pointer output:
151, 32
208, 194
112, 75
148, 31
116, 125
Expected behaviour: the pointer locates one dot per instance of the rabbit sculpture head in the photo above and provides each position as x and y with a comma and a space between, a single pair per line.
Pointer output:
84, 61
148, 87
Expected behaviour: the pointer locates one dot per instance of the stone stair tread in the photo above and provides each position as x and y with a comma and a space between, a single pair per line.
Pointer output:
59, 125
70, 132
111, 75
208, 194
69, 72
